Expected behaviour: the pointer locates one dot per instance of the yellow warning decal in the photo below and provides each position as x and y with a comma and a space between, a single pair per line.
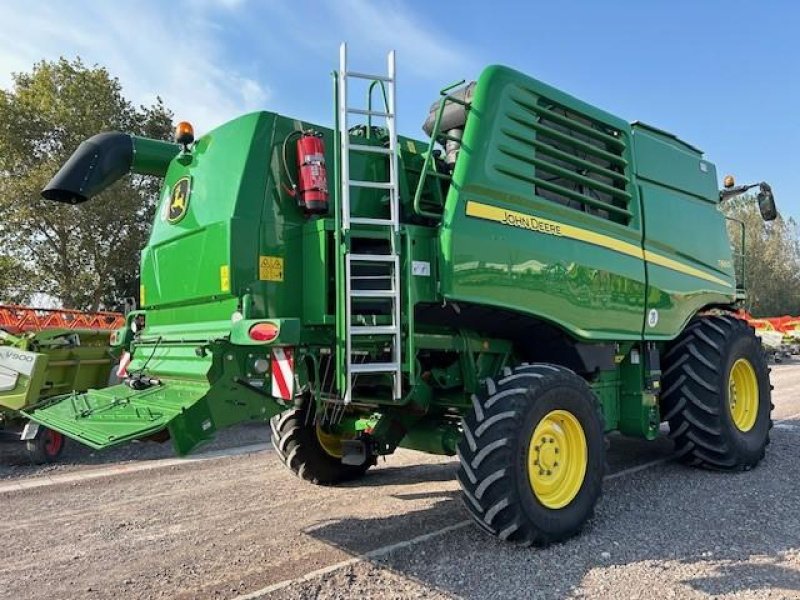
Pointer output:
141, 295
537, 224
412, 147
225, 278
270, 268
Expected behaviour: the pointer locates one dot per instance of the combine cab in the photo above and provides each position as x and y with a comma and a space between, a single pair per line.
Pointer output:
46, 353
532, 275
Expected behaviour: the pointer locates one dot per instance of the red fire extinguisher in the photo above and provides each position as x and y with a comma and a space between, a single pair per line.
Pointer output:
313, 176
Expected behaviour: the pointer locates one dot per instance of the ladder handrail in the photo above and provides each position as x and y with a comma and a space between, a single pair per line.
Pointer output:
369, 102
429, 154
344, 158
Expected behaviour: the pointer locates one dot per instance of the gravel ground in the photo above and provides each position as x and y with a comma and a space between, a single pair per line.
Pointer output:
668, 532
14, 463
665, 532
227, 527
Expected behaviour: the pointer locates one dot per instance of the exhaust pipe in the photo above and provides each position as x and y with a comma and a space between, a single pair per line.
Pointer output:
104, 159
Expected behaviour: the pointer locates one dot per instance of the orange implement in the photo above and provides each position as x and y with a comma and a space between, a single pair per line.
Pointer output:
19, 319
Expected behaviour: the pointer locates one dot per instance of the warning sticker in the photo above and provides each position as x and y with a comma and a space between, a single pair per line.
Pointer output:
270, 268
225, 278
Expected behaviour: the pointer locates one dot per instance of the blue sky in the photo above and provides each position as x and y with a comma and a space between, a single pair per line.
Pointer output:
724, 75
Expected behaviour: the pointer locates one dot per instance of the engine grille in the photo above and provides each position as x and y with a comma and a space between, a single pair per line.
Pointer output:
577, 161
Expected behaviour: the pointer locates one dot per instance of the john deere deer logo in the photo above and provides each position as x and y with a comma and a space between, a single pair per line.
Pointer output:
179, 200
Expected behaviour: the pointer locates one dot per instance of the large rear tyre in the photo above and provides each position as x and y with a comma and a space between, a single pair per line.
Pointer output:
717, 394
309, 450
532, 456
46, 447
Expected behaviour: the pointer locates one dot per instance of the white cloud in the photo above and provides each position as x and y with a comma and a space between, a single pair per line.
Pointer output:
205, 57
371, 29
424, 52
173, 53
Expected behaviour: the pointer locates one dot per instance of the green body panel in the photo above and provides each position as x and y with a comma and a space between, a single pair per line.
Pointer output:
525, 266
184, 261
558, 216
118, 414
191, 411
672, 174
196, 393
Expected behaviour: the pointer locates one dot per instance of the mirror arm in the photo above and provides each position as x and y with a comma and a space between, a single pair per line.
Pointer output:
739, 189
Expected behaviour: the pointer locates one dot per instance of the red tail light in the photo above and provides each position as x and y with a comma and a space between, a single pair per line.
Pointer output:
263, 332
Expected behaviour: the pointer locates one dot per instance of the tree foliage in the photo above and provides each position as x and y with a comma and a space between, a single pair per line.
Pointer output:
86, 256
771, 259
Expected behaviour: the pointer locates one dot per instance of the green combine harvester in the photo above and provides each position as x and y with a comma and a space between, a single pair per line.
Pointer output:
534, 275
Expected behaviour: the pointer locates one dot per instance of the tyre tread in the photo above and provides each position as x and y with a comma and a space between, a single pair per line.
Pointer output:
694, 394
487, 446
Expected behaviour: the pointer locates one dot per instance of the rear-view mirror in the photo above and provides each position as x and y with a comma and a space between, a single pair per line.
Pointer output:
766, 203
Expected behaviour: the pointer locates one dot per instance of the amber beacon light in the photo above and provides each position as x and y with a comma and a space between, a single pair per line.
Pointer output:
184, 133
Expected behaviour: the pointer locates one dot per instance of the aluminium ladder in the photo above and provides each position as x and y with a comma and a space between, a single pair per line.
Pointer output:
348, 220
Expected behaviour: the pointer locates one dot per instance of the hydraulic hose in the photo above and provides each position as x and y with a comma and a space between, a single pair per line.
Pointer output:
293, 186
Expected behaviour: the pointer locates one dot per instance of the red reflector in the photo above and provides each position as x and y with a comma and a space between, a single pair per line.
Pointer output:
122, 368
264, 332
283, 373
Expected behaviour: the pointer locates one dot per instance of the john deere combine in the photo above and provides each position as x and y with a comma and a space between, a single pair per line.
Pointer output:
536, 274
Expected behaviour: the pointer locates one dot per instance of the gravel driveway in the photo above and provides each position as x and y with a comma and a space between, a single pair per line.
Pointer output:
242, 527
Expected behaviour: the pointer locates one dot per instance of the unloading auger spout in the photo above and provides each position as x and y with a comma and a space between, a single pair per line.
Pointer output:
105, 158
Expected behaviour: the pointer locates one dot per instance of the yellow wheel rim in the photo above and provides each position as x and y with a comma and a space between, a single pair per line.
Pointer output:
330, 442
743, 394
557, 459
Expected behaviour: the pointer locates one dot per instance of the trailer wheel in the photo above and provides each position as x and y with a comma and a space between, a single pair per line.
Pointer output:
310, 451
532, 456
717, 394
46, 447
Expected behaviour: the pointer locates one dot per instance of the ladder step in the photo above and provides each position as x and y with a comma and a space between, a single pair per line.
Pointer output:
357, 75
376, 185
373, 293
381, 258
370, 113
371, 277
374, 330
375, 149
390, 367
371, 221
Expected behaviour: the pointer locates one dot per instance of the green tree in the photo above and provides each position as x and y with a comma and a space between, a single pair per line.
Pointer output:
15, 280
87, 256
771, 259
